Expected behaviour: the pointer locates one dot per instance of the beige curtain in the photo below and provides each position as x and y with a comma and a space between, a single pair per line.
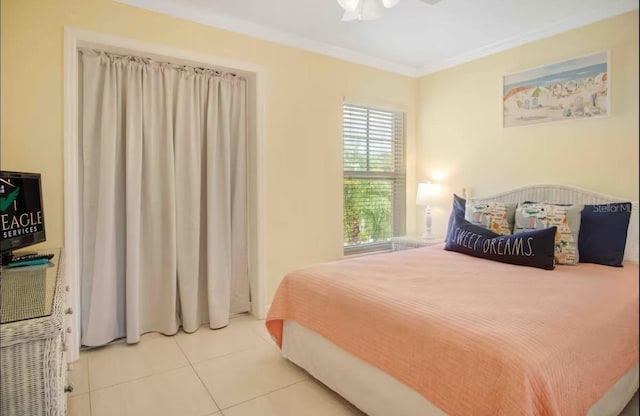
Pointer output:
164, 198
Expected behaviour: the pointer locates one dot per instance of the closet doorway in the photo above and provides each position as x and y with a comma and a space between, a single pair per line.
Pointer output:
111, 48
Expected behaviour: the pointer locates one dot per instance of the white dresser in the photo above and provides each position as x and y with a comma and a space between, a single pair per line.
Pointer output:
32, 340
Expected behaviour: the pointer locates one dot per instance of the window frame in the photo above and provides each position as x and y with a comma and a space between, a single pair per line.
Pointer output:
398, 177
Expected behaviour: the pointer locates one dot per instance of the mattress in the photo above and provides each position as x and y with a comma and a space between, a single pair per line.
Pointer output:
378, 394
451, 327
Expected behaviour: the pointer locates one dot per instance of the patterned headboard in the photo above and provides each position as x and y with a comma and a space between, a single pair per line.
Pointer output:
564, 194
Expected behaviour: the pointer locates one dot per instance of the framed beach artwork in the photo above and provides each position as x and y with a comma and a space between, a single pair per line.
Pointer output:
577, 88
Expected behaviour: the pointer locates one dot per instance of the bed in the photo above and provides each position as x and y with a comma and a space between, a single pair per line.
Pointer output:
435, 332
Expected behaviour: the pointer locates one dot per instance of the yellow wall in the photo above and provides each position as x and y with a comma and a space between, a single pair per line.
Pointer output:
454, 119
460, 133
303, 116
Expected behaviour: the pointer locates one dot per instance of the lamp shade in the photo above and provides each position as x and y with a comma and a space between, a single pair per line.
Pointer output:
389, 3
427, 193
348, 5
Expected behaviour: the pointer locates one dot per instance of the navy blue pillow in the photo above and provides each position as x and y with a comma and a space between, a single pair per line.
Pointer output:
603, 233
458, 209
529, 248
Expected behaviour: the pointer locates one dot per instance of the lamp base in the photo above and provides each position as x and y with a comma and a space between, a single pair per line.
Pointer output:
427, 224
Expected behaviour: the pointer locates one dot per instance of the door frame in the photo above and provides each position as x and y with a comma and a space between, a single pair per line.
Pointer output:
75, 38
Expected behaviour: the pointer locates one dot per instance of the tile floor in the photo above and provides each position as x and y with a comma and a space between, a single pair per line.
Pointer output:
235, 371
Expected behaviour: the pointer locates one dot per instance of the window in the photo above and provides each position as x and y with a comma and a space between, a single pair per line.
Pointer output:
374, 178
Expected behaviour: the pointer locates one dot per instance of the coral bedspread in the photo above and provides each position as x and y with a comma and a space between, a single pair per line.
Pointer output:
474, 337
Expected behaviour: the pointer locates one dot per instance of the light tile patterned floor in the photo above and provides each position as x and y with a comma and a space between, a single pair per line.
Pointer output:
234, 371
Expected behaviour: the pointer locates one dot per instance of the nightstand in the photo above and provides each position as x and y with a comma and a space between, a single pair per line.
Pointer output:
407, 242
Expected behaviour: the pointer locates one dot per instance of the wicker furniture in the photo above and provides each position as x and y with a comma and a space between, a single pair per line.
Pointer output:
32, 340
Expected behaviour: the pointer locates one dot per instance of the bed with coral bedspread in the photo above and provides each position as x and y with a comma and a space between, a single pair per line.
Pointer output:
472, 336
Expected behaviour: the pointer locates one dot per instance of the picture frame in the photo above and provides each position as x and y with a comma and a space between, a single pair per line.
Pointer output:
576, 88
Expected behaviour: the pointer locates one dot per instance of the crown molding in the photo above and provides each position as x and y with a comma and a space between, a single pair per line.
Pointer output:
186, 11
244, 27
610, 9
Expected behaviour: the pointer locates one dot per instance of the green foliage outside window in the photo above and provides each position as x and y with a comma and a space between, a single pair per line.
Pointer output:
367, 210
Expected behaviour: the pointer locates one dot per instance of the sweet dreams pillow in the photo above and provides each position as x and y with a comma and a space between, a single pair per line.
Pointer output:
566, 218
529, 248
495, 216
457, 209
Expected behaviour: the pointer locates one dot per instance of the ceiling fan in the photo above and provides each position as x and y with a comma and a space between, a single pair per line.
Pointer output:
369, 9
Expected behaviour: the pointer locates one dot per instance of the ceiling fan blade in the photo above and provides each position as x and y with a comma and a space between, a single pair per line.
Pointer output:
350, 15
432, 2
348, 5
389, 3
366, 10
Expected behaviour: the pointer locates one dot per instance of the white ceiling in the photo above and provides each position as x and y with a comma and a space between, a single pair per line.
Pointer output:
413, 38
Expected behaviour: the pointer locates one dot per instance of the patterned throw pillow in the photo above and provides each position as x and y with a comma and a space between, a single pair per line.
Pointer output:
495, 216
535, 216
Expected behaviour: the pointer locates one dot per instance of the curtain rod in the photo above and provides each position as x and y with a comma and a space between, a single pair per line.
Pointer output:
150, 60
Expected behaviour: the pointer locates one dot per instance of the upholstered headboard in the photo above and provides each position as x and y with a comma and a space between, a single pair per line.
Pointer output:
564, 194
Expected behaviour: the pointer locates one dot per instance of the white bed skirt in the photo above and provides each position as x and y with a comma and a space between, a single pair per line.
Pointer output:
378, 394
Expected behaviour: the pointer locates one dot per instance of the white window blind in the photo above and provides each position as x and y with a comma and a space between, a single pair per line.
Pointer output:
374, 177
